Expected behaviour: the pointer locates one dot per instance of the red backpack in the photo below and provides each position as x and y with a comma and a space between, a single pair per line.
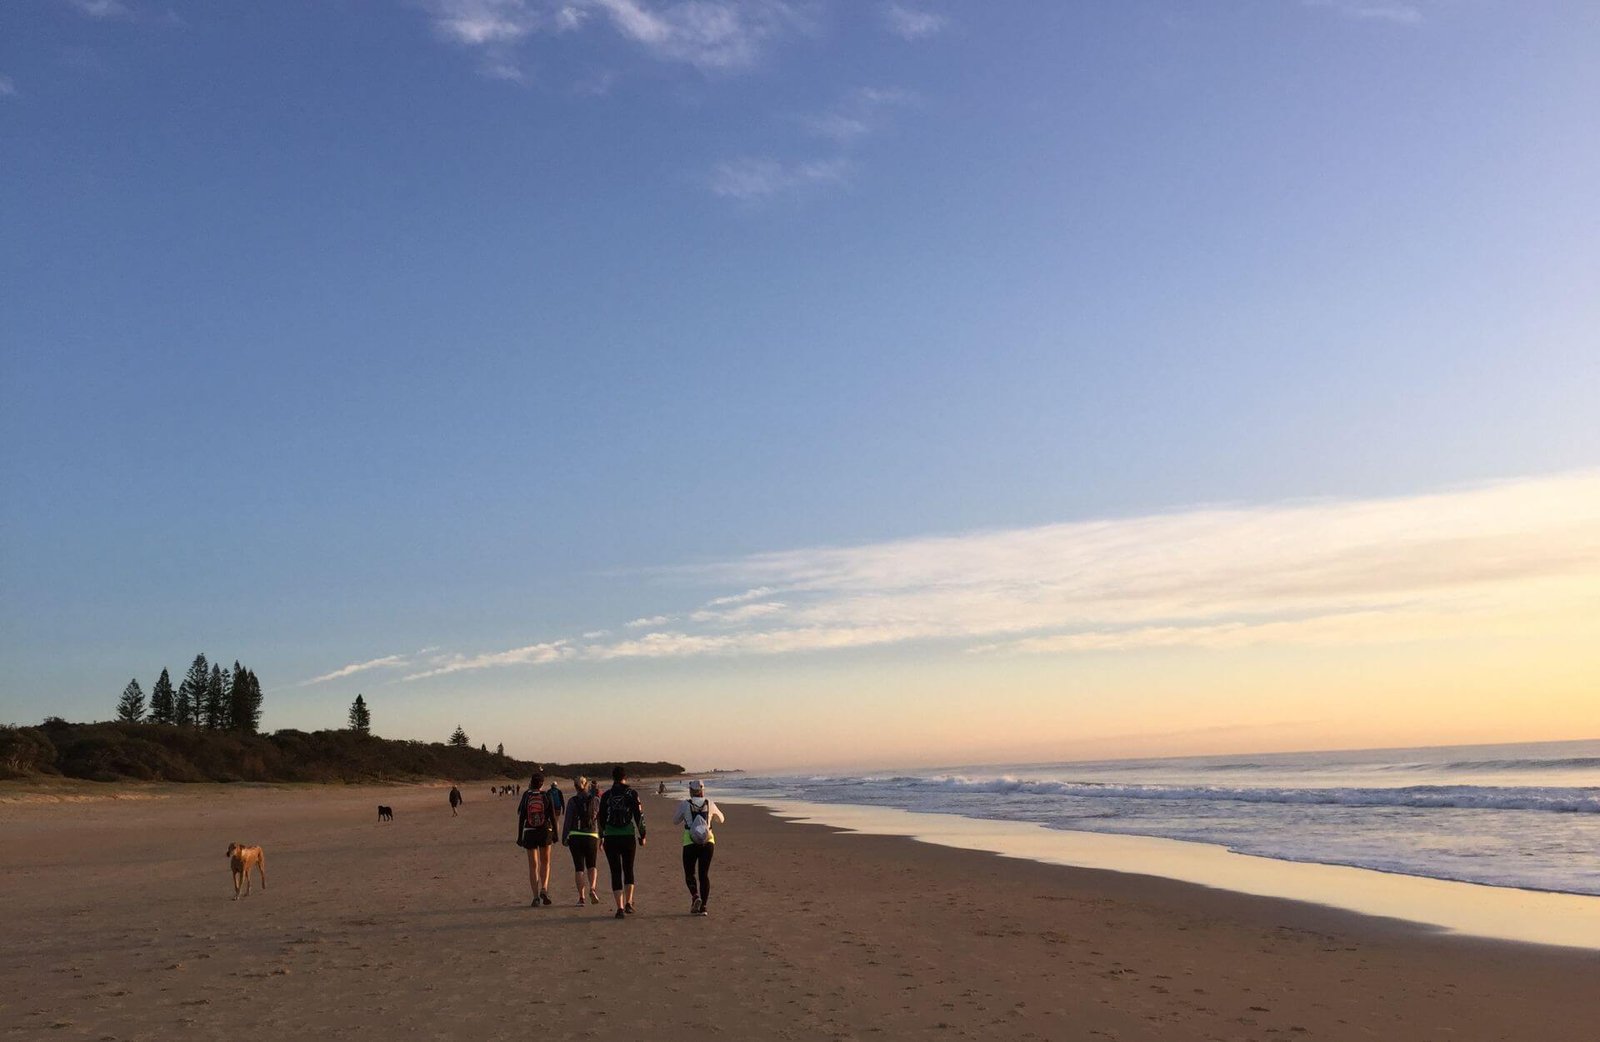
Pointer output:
536, 814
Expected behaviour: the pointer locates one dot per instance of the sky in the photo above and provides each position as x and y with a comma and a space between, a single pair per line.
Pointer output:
781, 383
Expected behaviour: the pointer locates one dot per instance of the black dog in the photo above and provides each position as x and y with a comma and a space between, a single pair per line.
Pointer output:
385, 813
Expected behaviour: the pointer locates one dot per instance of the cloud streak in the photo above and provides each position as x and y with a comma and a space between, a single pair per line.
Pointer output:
912, 23
101, 8
1364, 10
529, 655
1504, 559
387, 662
710, 35
756, 178
858, 115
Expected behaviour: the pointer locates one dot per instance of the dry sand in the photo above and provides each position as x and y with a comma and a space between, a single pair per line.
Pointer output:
119, 923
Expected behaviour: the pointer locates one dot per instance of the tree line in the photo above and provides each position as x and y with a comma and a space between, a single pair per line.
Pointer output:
209, 697
360, 720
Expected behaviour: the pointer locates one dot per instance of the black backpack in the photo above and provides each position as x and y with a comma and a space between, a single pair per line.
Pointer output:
619, 809
587, 812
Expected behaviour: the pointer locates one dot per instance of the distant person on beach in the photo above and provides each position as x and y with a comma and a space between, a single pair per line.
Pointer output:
620, 817
696, 815
536, 831
455, 800
661, 788
580, 833
557, 801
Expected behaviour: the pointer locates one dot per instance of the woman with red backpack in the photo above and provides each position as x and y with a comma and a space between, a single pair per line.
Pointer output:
536, 832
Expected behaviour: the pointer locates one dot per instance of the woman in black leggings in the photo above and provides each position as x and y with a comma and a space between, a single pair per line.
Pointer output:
621, 817
580, 831
696, 815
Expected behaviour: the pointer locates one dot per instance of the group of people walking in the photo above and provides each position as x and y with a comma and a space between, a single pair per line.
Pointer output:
591, 821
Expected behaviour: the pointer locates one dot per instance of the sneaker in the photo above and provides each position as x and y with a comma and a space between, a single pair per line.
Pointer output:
694, 907
704, 910
536, 902
544, 897
621, 914
580, 902
628, 908
594, 898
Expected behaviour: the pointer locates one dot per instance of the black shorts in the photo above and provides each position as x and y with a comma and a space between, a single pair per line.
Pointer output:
533, 839
585, 851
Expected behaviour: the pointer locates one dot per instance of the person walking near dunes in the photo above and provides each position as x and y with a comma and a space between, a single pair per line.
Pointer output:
536, 831
620, 817
455, 800
580, 833
696, 814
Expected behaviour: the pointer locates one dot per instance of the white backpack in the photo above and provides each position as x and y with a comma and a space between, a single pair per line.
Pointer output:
699, 820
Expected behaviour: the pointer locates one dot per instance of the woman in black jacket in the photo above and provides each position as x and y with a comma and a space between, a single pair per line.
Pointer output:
621, 817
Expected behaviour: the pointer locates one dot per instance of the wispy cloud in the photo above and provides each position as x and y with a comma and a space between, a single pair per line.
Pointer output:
102, 8
481, 23
739, 598
647, 621
1505, 559
530, 655
859, 114
911, 22
1366, 10
387, 662
741, 614
710, 35
757, 178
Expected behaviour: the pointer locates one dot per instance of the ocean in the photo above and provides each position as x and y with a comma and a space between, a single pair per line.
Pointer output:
1524, 816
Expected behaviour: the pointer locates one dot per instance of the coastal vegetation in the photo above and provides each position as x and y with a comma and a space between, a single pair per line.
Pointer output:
118, 750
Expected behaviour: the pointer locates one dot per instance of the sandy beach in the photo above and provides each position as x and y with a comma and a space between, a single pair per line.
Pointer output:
120, 924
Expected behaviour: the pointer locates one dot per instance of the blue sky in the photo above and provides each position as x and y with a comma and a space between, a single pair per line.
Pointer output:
426, 333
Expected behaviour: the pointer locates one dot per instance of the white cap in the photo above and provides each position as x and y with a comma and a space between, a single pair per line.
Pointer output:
697, 786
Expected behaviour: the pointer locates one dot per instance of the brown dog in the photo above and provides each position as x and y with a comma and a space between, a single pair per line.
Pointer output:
243, 859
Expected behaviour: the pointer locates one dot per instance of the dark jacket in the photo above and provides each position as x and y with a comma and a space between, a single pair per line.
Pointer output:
569, 820
623, 796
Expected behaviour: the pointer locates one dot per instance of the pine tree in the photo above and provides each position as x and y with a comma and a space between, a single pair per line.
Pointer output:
238, 699
500, 749
360, 719
460, 739
192, 692
214, 710
246, 713
163, 702
483, 747
130, 708
226, 722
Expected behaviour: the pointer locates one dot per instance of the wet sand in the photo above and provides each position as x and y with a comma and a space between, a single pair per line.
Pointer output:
120, 924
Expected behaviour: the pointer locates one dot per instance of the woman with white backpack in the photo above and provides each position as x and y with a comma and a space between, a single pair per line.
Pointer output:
696, 815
